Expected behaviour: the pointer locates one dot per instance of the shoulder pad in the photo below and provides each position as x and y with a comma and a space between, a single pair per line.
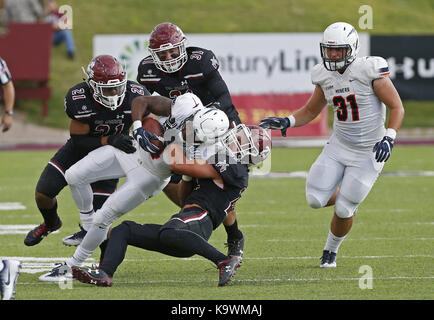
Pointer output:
147, 72
205, 60
319, 74
375, 67
78, 104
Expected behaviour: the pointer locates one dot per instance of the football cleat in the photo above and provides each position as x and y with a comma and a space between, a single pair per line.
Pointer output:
75, 239
236, 247
8, 278
61, 273
328, 259
96, 277
227, 269
36, 235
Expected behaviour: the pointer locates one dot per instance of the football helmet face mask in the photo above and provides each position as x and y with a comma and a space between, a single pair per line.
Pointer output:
167, 47
248, 144
107, 80
339, 46
262, 143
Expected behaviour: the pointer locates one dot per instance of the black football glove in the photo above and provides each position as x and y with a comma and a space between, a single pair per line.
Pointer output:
144, 139
383, 149
122, 142
276, 123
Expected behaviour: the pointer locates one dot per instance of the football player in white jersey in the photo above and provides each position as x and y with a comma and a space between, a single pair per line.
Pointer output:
146, 172
357, 88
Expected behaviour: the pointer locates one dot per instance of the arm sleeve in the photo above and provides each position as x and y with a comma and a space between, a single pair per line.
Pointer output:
5, 75
229, 169
376, 68
219, 90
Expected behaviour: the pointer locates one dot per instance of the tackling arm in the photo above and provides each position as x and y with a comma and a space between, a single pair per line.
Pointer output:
196, 168
80, 136
189, 168
218, 88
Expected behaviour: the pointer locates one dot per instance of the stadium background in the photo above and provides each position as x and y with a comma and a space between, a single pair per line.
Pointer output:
135, 16
407, 227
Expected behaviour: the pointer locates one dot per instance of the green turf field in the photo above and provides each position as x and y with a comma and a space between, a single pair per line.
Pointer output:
392, 236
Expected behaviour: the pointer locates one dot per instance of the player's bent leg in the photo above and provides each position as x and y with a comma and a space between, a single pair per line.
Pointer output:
342, 221
322, 181
50, 183
91, 180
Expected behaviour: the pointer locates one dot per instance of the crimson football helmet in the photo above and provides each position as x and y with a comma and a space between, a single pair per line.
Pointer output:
167, 47
249, 144
107, 80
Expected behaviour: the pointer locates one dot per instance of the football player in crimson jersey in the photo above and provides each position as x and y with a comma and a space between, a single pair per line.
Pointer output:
357, 88
209, 190
173, 69
100, 112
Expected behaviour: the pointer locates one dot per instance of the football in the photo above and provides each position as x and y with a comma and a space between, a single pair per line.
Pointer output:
152, 125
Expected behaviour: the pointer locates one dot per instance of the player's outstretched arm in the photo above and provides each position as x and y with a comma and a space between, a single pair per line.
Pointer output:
301, 117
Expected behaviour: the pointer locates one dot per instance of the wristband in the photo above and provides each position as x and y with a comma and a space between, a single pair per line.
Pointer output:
186, 178
9, 112
390, 132
137, 124
291, 121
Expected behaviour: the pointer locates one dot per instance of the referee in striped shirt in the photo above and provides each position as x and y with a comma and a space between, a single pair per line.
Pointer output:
8, 96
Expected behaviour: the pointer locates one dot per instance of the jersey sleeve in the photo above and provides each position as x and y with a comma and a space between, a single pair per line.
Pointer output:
135, 90
231, 171
5, 75
318, 74
209, 63
146, 75
376, 68
71, 108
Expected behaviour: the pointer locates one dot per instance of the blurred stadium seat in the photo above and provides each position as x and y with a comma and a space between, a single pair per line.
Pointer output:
26, 48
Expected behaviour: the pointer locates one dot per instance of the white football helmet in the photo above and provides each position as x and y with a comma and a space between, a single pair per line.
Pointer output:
184, 107
343, 36
209, 124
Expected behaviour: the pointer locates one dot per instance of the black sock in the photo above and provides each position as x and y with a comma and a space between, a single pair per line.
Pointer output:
233, 232
50, 216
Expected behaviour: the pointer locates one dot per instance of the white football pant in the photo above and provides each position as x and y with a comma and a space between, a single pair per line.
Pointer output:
355, 170
108, 163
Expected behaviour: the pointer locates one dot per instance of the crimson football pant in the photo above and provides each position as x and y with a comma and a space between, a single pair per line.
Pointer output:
184, 235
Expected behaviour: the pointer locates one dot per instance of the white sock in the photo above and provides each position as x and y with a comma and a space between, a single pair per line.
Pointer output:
86, 220
333, 242
1, 265
94, 237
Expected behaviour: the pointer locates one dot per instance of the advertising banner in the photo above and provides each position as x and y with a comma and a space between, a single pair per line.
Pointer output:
411, 63
266, 73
